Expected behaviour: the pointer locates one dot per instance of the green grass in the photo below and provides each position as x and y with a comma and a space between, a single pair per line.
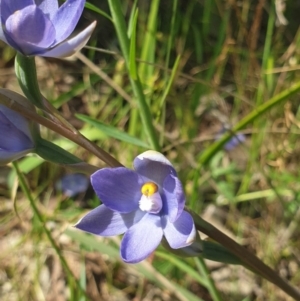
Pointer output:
186, 70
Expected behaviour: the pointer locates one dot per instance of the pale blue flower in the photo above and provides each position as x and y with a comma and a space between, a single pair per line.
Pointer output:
41, 27
146, 204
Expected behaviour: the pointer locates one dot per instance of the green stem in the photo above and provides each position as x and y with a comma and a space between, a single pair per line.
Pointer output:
260, 110
200, 263
26, 73
27, 77
25, 69
250, 261
120, 26
40, 218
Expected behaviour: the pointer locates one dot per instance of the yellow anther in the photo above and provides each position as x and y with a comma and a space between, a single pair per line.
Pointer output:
149, 188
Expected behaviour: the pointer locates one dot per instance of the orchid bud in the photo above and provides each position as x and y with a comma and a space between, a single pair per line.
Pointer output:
17, 132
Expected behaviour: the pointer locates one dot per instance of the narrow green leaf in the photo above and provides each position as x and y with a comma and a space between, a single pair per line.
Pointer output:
216, 252
76, 90
112, 131
182, 265
97, 10
132, 50
82, 279
144, 110
146, 71
90, 243
53, 153
172, 34
131, 18
170, 82
253, 115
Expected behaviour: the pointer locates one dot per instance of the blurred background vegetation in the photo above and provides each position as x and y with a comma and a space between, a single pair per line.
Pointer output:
204, 65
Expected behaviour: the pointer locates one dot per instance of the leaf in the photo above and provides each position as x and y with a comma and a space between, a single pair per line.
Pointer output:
182, 265
112, 131
97, 10
90, 243
216, 252
132, 51
53, 153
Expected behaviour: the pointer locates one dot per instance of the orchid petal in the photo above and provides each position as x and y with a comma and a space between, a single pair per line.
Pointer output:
174, 197
72, 45
26, 28
105, 222
141, 239
49, 7
153, 166
16, 132
16, 119
118, 188
7, 157
154, 156
16, 140
41, 27
181, 233
66, 18
9, 7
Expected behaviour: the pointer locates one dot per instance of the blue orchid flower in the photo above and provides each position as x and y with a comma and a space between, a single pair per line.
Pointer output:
72, 184
147, 204
41, 27
17, 133
235, 141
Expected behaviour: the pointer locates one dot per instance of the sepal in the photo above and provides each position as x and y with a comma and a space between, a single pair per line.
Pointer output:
193, 250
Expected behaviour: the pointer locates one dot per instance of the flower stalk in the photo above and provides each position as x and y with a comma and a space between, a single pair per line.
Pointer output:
25, 69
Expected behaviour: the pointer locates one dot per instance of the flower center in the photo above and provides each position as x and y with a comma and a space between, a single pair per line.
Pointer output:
150, 200
149, 189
